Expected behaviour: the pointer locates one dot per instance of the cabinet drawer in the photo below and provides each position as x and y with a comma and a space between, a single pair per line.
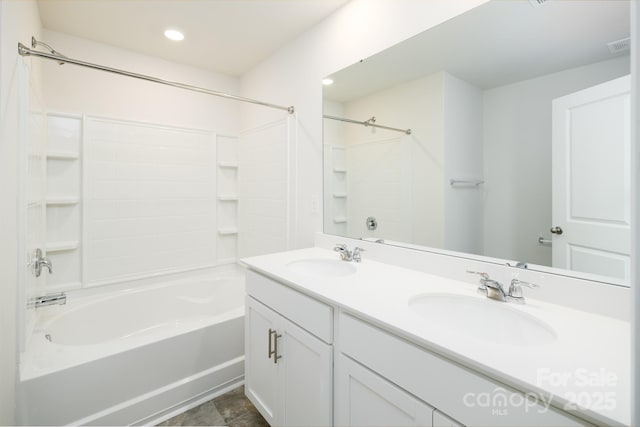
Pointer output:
469, 397
310, 314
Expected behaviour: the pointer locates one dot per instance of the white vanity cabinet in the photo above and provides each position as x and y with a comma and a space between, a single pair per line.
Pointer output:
412, 379
313, 358
289, 356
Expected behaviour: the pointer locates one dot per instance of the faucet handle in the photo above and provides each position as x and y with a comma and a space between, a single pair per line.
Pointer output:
482, 274
38, 261
517, 281
357, 254
482, 286
515, 290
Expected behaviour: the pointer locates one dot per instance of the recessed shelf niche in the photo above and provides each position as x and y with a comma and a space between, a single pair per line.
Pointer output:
63, 200
227, 194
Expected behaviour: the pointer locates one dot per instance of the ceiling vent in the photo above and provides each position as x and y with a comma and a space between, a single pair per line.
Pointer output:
619, 46
537, 3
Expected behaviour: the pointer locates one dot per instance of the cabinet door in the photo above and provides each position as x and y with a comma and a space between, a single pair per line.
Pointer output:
306, 377
441, 420
261, 373
367, 399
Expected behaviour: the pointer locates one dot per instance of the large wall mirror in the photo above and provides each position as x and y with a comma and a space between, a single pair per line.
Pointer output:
503, 133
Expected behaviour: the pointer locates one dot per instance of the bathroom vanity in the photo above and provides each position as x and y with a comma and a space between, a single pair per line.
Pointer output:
330, 342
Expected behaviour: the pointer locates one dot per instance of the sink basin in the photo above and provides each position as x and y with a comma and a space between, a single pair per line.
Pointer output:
322, 267
482, 319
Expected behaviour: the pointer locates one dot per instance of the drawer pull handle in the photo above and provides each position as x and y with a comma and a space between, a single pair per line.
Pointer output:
276, 356
271, 352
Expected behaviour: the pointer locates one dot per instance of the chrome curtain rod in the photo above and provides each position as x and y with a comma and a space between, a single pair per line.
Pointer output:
367, 123
61, 59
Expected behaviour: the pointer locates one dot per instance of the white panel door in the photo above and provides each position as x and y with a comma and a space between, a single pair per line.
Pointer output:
261, 373
591, 180
367, 399
306, 379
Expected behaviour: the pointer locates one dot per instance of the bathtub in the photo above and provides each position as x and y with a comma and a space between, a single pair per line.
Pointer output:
135, 356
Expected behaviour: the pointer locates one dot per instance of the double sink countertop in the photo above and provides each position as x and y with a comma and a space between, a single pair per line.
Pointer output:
578, 361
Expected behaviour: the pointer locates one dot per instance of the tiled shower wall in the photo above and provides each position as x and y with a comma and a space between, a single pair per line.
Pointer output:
380, 186
266, 179
129, 200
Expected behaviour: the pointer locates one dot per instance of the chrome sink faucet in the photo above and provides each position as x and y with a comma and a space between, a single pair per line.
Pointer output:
347, 255
494, 290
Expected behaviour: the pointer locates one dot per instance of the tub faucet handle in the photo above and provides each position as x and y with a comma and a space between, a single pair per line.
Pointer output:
40, 261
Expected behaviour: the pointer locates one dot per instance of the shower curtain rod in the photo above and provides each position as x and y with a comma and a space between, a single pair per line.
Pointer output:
367, 123
61, 59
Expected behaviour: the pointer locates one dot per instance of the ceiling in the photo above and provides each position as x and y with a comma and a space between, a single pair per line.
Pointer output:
497, 43
226, 36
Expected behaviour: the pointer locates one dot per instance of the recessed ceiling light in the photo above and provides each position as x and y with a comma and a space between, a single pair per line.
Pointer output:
327, 82
174, 35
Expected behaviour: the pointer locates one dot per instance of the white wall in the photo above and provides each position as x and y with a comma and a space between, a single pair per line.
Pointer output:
73, 89
463, 160
517, 152
292, 76
19, 20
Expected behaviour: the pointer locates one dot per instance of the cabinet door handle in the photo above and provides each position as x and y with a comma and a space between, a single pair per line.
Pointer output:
276, 356
271, 352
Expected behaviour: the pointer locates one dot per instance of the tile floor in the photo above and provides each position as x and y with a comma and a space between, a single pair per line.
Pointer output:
231, 409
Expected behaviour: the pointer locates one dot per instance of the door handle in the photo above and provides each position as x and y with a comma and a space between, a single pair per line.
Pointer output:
556, 230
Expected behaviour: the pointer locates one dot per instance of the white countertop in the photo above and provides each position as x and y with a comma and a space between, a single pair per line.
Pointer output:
585, 371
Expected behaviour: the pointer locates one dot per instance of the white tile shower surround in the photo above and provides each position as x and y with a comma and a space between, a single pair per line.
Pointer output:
149, 198
265, 160
379, 183
127, 200
380, 292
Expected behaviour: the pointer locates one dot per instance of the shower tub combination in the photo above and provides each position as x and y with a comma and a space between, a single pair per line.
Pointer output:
135, 356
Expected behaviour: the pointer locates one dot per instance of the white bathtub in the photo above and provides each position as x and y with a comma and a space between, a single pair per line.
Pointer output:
135, 356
